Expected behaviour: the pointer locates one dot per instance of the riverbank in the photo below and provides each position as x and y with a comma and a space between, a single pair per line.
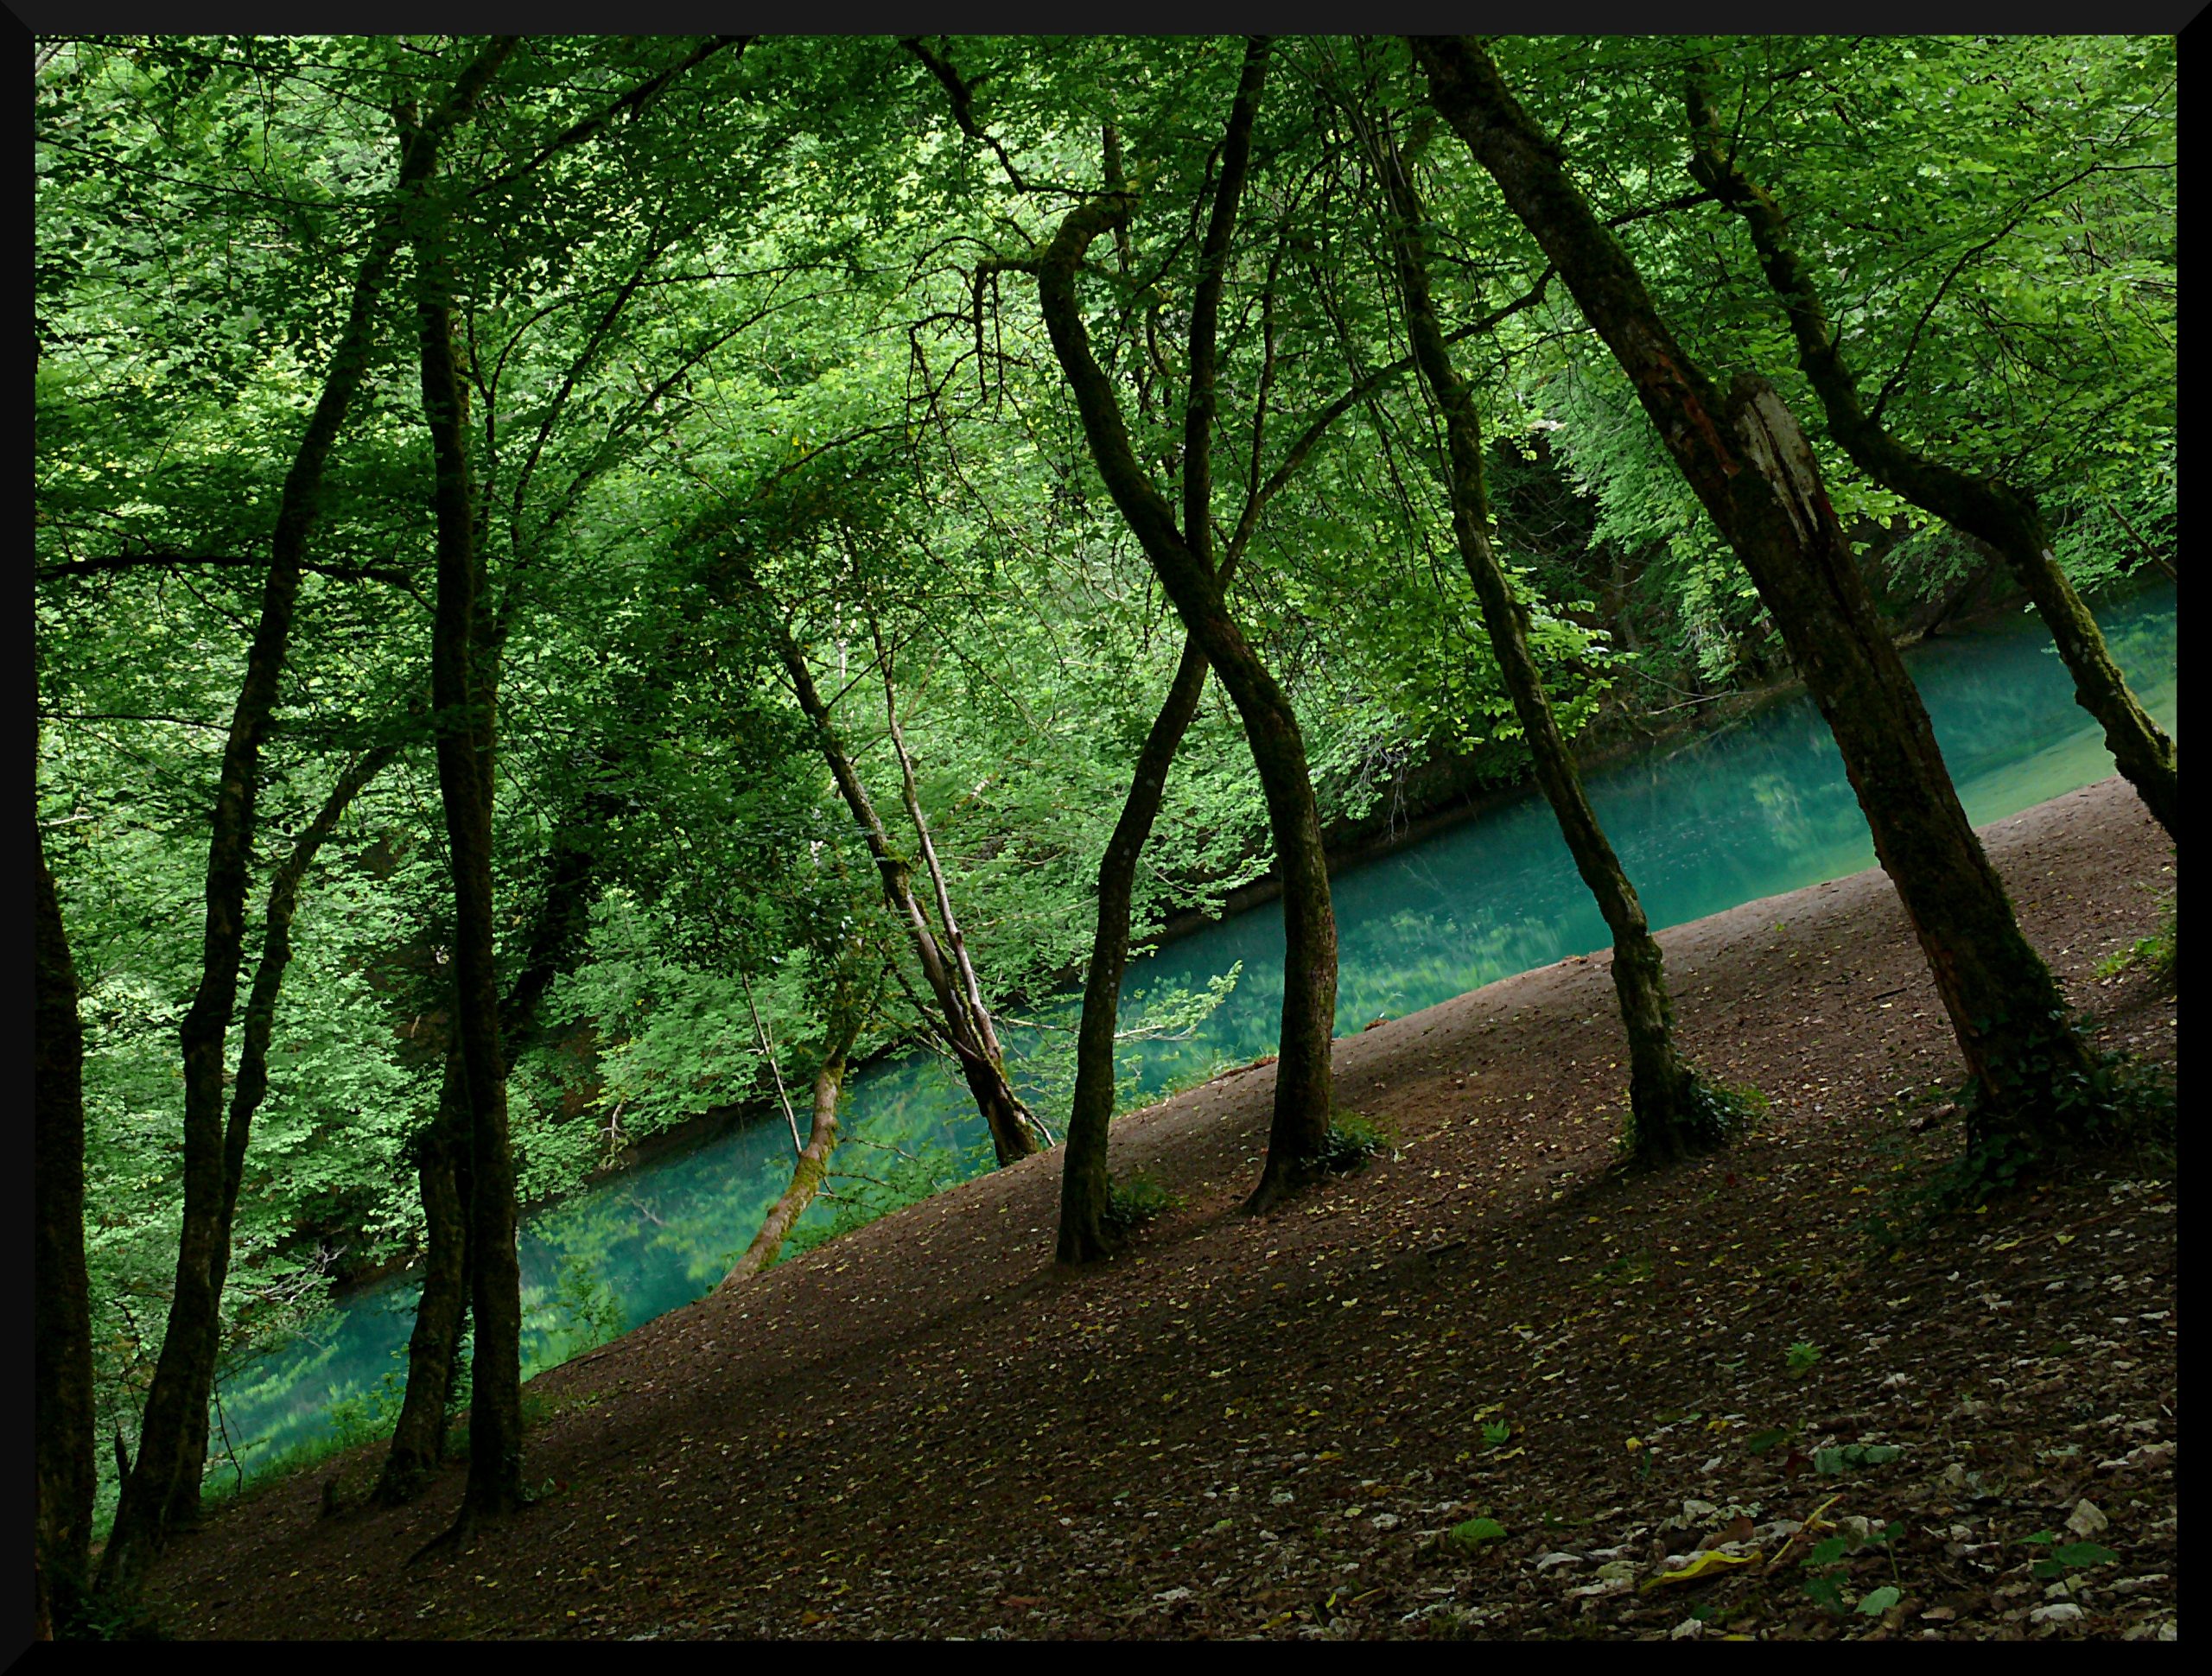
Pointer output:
1265, 1427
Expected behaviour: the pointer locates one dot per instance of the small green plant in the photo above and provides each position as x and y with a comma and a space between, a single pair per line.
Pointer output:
1828, 1562
1472, 1533
2154, 953
1713, 1115
1800, 1357
1495, 1432
1353, 1139
1849, 1457
1760, 1442
1136, 1201
2065, 1557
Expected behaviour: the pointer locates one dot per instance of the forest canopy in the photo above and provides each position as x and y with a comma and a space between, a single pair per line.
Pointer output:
511, 514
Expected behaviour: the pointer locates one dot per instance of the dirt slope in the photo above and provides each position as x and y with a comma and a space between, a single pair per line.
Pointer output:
1266, 1426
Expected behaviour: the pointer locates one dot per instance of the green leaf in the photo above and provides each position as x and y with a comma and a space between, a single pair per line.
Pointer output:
1473, 1532
1873, 1605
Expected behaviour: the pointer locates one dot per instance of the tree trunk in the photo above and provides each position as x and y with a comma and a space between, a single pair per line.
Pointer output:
1012, 1138
1752, 470
458, 691
2001, 514
171, 1416
1664, 1096
1085, 1184
250, 1089
1299, 1129
418, 1440
812, 1167
979, 1012
61, 1323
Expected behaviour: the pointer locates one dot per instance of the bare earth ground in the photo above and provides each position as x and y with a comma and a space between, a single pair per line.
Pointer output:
1267, 1428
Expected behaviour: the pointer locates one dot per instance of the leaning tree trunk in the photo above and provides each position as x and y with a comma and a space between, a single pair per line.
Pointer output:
2001, 514
172, 1415
494, 1484
62, 1417
1299, 1131
1085, 1184
1751, 467
1012, 1136
812, 1167
1666, 1114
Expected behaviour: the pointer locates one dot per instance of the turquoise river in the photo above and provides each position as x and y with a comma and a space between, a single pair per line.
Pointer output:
1702, 822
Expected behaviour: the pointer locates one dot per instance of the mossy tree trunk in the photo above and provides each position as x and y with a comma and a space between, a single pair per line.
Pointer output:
812, 1168
1664, 1094
1751, 468
433, 1344
2003, 515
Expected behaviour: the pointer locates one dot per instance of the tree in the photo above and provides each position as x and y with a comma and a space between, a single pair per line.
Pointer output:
1671, 1110
2002, 513
1753, 471
61, 1354
176, 1407
1183, 560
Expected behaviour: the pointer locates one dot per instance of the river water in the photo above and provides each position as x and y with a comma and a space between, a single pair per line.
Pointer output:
1701, 824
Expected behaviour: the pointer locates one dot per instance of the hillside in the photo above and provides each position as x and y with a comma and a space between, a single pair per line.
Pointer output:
1269, 1426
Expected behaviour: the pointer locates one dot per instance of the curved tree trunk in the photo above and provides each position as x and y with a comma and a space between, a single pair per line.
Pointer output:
63, 1415
2001, 514
1751, 468
172, 1415
810, 1170
1085, 1184
1663, 1091
1181, 559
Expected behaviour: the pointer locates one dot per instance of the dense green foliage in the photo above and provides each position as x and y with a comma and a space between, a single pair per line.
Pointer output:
764, 315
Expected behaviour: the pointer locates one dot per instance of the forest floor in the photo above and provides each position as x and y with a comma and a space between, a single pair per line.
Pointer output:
1287, 1426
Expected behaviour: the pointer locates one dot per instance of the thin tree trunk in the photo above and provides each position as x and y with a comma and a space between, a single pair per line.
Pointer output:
1085, 1184
1751, 468
1999, 513
171, 1415
252, 1086
458, 692
63, 1415
1664, 1096
433, 1347
1299, 1131
1012, 1137
986, 1032
442, 1162
812, 1167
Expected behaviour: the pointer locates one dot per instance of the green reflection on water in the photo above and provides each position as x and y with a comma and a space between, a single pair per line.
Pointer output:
1753, 809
